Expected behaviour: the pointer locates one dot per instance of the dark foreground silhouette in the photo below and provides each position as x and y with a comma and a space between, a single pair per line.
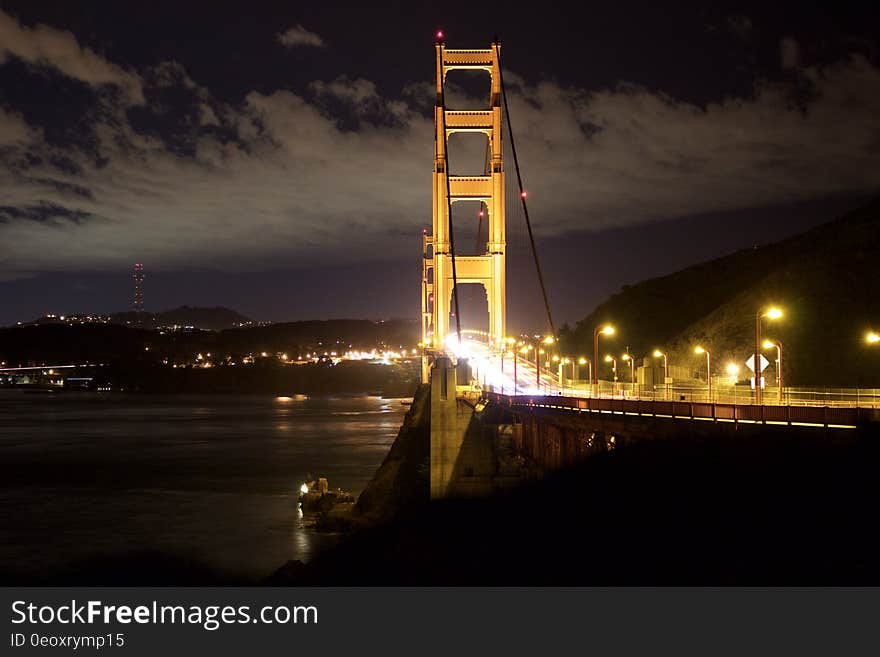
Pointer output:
761, 512
767, 511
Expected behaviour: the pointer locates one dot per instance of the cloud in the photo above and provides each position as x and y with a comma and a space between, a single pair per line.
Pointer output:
340, 172
300, 36
43, 45
14, 130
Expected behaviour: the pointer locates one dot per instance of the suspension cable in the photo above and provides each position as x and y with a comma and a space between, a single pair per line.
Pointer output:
522, 194
449, 197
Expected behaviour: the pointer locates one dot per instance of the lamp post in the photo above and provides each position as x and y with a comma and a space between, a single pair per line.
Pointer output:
658, 354
524, 350
770, 344
701, 350
561, 368
770, 313
627, 358
583, 361
538, 351
611, 359
604, 330
504, 353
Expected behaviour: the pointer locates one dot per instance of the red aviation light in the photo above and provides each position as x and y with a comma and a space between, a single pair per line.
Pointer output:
524, 194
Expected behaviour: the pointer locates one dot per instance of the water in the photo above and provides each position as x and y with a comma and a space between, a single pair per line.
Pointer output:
209, 478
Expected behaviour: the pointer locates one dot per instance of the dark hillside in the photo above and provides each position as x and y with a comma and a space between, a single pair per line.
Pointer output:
827, 281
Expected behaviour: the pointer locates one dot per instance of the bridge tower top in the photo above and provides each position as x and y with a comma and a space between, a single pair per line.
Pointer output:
488, 268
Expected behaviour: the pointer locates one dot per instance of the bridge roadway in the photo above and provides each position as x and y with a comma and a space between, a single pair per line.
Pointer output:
485, 436
495, 377
829, 417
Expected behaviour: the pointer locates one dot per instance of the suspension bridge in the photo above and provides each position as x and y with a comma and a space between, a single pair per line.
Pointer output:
551, 418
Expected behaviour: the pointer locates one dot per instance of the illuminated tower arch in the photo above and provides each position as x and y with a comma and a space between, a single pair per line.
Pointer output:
487, 269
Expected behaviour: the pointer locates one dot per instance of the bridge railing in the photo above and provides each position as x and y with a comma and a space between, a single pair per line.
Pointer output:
736, 395
807, 416
720, 393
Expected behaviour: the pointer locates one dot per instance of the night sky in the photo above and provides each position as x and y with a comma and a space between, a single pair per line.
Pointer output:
275, 157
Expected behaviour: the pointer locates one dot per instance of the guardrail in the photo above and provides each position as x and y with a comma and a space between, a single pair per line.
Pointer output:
828, 417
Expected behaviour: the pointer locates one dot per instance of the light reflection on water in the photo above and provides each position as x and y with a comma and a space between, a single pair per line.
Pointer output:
215, 478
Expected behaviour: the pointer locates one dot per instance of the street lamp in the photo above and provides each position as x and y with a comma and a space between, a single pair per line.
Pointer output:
524, 350
604, 330
872, 337
611, 359
701, 350
561, 367
583, 361
658, 354
770, 344
538, 351
769, 313
627, 358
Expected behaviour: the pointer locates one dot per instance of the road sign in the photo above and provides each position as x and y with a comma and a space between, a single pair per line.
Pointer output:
750, 363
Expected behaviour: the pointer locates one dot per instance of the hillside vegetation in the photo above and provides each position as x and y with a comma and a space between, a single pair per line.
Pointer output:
826, 280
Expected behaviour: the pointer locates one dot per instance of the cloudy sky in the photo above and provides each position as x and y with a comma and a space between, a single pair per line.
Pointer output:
276, 157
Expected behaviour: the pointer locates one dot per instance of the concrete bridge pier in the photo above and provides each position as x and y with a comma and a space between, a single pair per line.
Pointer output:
463, 460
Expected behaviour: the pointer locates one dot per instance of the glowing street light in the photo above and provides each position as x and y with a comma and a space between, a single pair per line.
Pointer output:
658, 354
770, 344
611, 359
627, 358
583, 361
733, 371
872, 337
539, 340
604, 330
562, 363
524, 350
701, 350
769, 313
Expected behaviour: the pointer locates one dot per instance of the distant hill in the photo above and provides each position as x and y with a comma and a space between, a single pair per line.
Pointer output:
61, 342
209, 319
827, 281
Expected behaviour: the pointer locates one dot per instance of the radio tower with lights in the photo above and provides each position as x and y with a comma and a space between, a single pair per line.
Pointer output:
138, 277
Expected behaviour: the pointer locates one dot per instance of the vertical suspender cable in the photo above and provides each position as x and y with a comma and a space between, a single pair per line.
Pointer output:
522, 196
455, 290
